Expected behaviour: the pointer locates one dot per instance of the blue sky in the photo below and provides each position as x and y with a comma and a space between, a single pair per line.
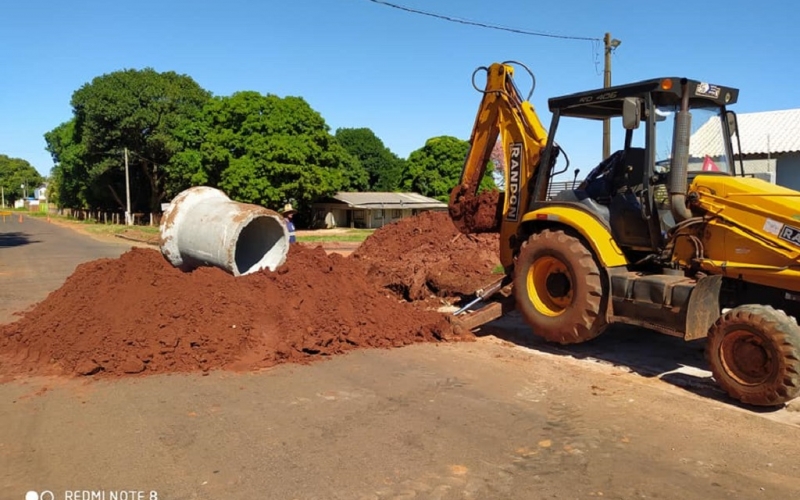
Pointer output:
360, 64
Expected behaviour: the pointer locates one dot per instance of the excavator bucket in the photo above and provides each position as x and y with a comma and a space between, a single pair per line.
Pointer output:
472, 213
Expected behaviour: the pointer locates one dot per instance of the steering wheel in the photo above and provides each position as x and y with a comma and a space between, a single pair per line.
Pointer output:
604, 167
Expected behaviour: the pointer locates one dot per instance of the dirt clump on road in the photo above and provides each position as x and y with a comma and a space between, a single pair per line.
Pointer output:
139, 315
426, 256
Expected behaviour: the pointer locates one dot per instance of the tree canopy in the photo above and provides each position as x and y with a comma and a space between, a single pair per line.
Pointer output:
384, 167
68, 179
435, 169
258, 148
14, 174
264, 149
140, 110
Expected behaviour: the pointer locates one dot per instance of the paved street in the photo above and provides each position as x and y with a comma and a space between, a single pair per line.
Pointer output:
631, 415
36, 257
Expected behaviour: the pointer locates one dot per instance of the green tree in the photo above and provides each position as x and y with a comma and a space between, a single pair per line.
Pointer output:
140, 110
68, 186
384, 167
435, 169
264, 149
14, 174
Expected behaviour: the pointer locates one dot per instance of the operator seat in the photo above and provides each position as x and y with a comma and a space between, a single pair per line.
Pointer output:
628, 225
582, 197
629, 175
595, 192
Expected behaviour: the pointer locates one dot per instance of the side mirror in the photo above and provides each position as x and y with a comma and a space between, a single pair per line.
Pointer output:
732, 122
631, 113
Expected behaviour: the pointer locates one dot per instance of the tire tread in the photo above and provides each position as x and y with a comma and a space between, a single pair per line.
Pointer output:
573, 327
782, 332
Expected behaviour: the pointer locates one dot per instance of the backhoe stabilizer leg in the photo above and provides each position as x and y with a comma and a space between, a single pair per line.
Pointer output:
489, 312
486, 292
486, 314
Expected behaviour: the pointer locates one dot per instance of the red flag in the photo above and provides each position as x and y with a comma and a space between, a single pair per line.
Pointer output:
709, 165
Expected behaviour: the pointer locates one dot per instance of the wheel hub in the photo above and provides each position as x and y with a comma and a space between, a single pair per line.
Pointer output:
558, 285
549, 285
746, 358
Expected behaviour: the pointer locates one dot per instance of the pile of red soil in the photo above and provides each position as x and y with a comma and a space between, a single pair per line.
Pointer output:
426, 256
138, 314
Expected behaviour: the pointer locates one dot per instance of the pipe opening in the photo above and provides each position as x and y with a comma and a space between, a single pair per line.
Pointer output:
262, 243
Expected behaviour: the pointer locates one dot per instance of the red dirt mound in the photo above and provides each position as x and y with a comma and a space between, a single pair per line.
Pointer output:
138, 314
426, 256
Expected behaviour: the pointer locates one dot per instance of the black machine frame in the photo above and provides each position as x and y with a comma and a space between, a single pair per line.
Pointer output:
607, 103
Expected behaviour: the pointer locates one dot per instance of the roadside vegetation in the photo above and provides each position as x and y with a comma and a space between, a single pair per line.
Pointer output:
349, 236
150, 233
172, 134
94, 227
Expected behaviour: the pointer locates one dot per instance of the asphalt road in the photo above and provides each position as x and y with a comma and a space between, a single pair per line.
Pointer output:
36, 257
492, 419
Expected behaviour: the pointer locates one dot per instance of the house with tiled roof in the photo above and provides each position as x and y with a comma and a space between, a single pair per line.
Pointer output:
370, 210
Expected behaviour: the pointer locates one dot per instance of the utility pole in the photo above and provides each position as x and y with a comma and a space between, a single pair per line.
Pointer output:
609, 45
128, 221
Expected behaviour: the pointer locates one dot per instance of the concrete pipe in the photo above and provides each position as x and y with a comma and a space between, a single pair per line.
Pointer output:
203, 227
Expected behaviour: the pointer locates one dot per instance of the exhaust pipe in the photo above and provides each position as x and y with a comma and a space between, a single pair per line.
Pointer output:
203, 227
679, 167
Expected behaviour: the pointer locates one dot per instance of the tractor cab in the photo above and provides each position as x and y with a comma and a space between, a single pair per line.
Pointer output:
675, 129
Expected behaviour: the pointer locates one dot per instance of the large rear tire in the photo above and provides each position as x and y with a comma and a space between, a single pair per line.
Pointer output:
754, 353
559, 288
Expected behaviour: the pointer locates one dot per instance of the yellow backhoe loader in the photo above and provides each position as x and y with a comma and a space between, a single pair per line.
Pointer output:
668, 233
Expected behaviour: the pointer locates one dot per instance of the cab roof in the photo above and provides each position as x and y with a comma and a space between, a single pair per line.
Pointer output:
607, 102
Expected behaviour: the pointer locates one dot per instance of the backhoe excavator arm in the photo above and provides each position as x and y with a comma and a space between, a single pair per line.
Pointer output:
502, 113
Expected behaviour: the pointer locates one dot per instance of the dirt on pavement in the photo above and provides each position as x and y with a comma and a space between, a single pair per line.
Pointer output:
426, 256
137, 314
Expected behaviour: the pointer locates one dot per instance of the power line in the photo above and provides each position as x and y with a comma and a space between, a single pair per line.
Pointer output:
484, 25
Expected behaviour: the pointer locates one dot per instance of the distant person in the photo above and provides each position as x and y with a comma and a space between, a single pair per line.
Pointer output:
287, 213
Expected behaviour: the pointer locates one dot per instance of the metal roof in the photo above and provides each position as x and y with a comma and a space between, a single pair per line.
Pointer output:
388, 200
763, 132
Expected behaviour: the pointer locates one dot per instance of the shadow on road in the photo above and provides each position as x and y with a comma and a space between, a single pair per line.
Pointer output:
644, 352
15, 239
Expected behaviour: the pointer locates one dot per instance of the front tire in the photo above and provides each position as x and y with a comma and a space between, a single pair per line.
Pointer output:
559, 288
754, 353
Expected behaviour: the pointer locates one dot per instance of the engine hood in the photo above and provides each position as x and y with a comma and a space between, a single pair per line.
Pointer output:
759, 196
